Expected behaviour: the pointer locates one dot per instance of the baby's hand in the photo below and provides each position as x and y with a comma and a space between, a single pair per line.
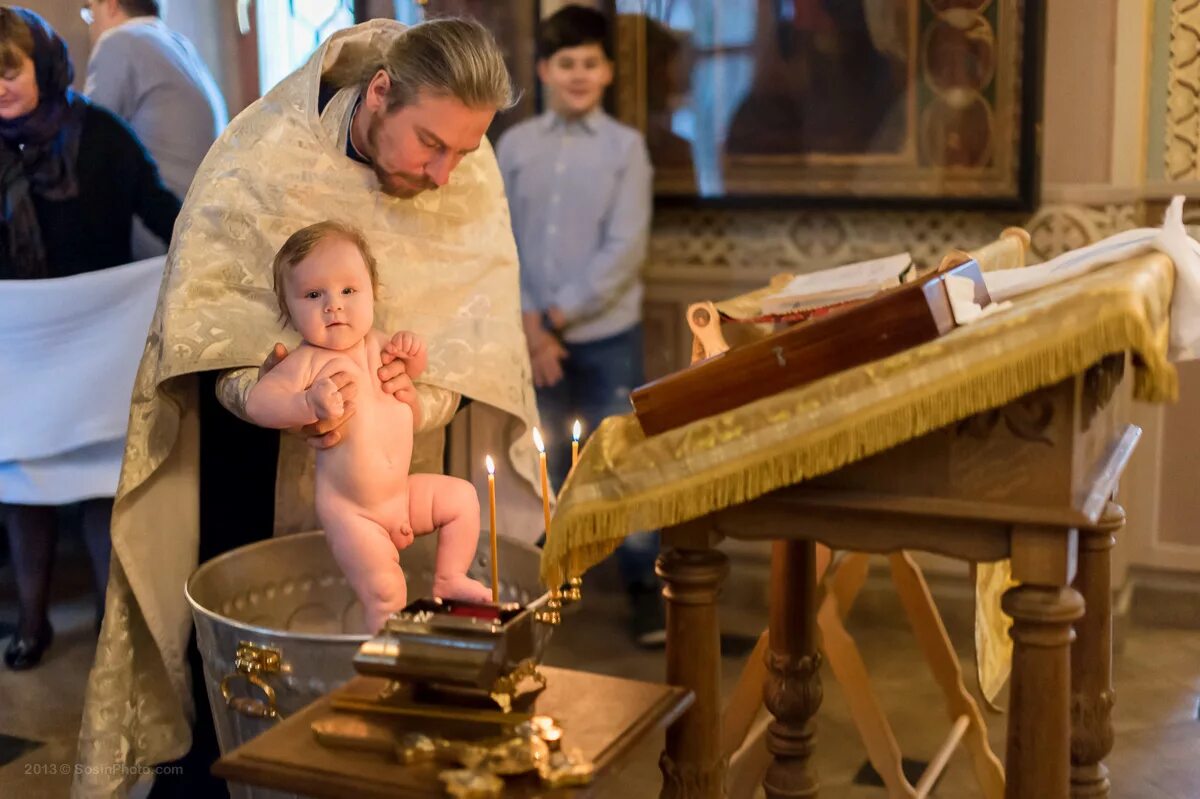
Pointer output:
325, 399
409, 348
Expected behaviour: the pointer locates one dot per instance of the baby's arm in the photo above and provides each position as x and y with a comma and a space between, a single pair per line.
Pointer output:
281, 398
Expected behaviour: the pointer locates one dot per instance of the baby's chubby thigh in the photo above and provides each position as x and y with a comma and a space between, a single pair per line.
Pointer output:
365, 552
451, 506
437, 501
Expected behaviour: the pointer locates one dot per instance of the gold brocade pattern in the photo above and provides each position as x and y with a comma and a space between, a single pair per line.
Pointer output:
448, 269
993, 644
625, 481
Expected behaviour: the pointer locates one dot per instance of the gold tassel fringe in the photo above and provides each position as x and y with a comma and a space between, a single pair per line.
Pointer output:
588, 532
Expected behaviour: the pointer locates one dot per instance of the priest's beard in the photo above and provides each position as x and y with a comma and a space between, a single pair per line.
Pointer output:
404, 185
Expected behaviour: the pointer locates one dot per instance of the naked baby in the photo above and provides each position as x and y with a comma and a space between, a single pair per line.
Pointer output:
369, 505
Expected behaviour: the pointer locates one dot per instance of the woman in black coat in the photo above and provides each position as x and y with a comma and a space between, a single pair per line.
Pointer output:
72, 177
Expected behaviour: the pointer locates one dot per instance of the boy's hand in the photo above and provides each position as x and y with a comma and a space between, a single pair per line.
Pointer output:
556, 318
547, 361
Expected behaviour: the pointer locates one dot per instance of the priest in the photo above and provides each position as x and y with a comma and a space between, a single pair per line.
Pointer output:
383, 128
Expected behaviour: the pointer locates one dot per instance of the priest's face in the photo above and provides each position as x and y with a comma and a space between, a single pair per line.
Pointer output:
415, 147
329, 295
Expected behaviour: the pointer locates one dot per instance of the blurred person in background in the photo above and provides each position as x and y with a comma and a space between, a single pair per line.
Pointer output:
579, 189
153, 78
72, 178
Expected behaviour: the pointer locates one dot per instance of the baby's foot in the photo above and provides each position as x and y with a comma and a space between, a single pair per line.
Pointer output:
460, 586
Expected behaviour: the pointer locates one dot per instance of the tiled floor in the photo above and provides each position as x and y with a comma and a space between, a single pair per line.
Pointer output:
1156, 756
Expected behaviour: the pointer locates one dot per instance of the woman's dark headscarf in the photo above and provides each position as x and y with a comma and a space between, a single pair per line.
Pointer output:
38, 152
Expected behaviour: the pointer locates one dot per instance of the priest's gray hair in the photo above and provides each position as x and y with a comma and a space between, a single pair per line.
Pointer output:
447, 57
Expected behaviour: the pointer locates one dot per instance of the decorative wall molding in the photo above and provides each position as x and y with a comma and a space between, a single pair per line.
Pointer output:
746, 248
1181, 153
1055, 229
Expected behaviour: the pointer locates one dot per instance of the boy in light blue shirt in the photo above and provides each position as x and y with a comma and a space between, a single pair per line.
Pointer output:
579, 188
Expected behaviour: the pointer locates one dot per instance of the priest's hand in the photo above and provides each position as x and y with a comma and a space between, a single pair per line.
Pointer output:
324, 433
393, 374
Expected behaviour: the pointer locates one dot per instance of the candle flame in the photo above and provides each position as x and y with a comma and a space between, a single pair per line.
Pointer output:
537, 440
491, 464
577, 430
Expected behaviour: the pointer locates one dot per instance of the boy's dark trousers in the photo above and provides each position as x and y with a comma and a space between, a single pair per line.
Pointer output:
597, 379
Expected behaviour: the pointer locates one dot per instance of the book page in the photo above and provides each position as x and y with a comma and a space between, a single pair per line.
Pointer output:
840, 284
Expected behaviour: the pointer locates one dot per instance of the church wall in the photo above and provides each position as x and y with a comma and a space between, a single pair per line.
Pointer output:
1181, 466
211, 25
64, 17
1107, 142
1080, 51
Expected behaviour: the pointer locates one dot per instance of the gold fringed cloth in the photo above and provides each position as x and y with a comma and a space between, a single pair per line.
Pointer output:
626, 482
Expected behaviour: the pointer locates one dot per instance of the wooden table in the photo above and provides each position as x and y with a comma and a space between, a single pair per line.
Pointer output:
1032, 481
602, 716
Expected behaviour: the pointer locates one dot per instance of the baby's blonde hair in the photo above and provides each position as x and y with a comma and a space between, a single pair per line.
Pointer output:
304, 241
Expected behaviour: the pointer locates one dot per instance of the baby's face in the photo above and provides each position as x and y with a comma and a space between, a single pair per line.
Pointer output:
329, 295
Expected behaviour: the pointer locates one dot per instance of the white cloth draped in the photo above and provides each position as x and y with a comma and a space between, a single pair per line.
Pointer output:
69, 350
1172, 239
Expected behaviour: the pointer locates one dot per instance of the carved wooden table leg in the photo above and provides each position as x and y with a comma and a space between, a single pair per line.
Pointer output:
793, 689
1039, 718
1091, 660
692, 765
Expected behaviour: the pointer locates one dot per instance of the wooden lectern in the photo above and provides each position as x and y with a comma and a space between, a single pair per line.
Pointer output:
1003, 439
841, 578
1032, 480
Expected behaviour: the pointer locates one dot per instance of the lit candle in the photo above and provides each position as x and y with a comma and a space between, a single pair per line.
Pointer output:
541, 448
575, 432
491, 470
574, 591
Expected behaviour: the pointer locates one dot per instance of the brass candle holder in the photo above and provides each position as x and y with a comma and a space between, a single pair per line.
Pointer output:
551, 612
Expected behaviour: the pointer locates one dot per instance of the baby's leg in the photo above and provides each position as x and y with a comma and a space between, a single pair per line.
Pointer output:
370, 562
439, 501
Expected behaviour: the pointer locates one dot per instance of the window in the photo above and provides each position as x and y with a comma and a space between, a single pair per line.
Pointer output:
290, 30
410, 12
